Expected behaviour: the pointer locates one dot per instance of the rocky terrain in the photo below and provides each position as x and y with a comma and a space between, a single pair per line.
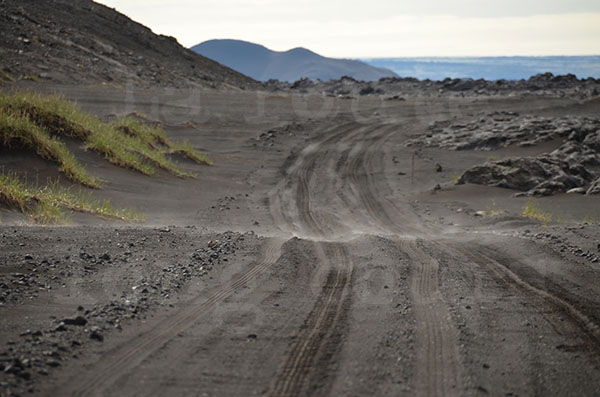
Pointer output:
572, 167
98, 45
41, 261
391, 87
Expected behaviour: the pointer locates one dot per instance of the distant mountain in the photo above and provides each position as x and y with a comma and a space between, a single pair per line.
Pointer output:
81, 41
263, 64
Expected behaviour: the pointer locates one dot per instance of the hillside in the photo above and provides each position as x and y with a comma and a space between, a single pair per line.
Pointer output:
263, 64
82, 41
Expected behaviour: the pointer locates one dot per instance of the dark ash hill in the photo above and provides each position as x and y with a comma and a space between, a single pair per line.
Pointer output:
80, 41
263, 64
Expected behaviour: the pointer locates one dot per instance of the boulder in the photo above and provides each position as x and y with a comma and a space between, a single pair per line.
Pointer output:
541, 175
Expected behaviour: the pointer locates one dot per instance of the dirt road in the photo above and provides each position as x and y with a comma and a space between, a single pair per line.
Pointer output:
362, 285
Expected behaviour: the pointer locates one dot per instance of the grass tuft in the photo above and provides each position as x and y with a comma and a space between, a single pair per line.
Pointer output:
126, 142
20, 132
30, 77
46, 205
533, 211
188, 151
493, 210
5, 76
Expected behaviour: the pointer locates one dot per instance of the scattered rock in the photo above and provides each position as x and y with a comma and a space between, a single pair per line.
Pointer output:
96, 334
79, 321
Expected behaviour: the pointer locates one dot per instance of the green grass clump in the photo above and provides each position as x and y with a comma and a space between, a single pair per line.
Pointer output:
5, 76
493, 210
20, 132
30, 77
186, 150
46, 205
126, 142
533, 211
151, 136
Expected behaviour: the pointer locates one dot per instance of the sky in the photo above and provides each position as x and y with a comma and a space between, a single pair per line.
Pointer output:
381, 28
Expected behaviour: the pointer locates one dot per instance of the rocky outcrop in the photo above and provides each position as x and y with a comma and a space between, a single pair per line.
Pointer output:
568, 168
546, 85
492, 131
540, 176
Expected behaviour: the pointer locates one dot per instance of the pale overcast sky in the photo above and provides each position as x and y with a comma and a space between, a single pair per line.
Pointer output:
381, 28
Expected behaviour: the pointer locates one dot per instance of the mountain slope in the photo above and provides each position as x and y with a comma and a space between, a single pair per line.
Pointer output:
80, 41
263, 64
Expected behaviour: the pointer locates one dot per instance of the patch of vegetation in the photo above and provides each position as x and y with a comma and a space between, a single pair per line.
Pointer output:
37, 122
493, 210
20, 132
47, 204
533, 211
5, 76
126, 142
589, 219
186, 150
107, 85
30, 77
455, 179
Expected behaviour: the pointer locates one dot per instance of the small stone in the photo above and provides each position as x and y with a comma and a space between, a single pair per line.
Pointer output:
79, 321
96, 334
252, 336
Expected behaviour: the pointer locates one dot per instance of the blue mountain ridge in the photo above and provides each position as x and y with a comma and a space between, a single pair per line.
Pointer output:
261, 63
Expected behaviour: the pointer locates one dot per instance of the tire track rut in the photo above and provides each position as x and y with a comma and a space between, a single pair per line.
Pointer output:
438, 362
119, 361
313, 350
580, 323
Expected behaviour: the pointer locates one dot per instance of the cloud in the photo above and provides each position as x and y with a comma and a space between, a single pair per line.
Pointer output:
349, 29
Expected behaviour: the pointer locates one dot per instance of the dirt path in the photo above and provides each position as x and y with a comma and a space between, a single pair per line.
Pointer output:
360, 287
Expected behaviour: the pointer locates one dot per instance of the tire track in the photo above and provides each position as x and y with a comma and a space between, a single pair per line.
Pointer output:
128, 355
292, 201
580, 323
438, 365
313, 351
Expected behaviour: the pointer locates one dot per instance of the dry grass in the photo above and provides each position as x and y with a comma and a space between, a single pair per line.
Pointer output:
47, 204
37, 122
20, 132
533, 211
126, 142
5, 76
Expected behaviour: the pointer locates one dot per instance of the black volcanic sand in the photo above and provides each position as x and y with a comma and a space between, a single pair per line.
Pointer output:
315, 257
